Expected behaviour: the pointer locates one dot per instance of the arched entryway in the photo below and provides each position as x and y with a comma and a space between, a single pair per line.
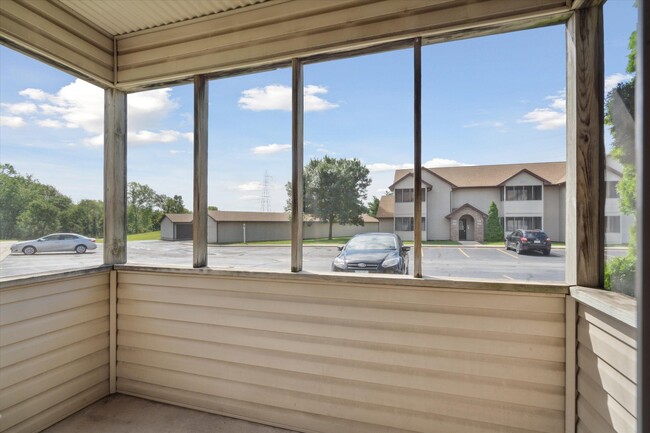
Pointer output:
466, 228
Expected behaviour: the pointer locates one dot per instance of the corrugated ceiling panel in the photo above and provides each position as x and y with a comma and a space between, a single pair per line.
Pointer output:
119, 17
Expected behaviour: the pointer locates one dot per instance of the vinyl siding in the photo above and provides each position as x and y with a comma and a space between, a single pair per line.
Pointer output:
330, 357
54, 349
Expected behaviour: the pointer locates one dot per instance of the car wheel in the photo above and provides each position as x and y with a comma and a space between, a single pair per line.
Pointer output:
80, 249
518, 248
547, 252
29, 250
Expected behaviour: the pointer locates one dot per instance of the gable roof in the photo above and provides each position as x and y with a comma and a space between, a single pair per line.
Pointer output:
464, 208
179, 217
478, 176
427, 184
386, 207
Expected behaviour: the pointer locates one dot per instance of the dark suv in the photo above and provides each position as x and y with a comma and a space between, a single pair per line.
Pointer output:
528, 240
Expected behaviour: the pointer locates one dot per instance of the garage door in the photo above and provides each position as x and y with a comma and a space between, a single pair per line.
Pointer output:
184, 231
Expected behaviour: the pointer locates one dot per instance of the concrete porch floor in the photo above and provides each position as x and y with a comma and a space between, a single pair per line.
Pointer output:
120, 413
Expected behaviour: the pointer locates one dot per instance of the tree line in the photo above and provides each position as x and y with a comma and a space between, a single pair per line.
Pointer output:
32, 209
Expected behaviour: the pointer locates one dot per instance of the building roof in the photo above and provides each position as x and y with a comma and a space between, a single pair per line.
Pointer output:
237, 216
386, 207
179, 217
479, 176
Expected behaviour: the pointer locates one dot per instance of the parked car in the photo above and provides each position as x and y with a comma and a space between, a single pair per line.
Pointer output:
55, 242
529, 240
373, 253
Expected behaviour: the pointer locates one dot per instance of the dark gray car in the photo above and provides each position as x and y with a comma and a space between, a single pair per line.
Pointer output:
529, 240
373, 253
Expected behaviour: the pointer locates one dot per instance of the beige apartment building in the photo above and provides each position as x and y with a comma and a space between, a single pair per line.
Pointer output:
456, 201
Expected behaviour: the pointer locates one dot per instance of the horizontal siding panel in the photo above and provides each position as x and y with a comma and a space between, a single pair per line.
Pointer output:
542, 324
608, 379
52, 378
603, 403
48, 44
591, 419
378, 375
300, 37
401, 357
305, 402
51, 397
25, 370
38, 290
33, 308
32, 348
33, 328
419, 296
613, 351
613, 327
61, 410
530, 347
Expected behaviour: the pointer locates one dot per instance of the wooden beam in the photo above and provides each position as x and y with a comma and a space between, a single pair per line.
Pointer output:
585, 236
297, 162
200, 218
417, 157
114, 177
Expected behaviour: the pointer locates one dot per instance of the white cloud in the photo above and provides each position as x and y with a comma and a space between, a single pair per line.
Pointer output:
12, 121
442, 162
551, 117
164, 136
278, 97
249, 197
20, 108
80, 105
50, 123
250, 186
613, 80
271, 148
382, 166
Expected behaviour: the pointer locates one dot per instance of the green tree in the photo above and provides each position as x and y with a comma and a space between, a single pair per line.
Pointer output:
619, 115
334, 190
86, 218
373, 206
494, 229
172, 204
141, 202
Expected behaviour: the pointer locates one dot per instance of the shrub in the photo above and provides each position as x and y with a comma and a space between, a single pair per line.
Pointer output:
620, 273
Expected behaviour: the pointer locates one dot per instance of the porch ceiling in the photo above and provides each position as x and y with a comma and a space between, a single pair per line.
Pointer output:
136, 45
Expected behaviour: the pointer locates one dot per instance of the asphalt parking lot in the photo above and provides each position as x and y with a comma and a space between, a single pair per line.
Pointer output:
466, 262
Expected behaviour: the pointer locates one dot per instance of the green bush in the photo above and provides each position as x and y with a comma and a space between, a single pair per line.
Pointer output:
620, 273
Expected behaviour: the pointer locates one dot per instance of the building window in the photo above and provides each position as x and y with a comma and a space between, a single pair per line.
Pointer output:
524, 223
527, 192
612, 224
407, 195
612, 191
405, 224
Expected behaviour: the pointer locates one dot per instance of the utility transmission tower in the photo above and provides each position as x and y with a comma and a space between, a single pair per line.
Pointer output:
266, 193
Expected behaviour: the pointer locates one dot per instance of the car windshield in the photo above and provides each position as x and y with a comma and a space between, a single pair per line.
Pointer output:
536, 235
372, 243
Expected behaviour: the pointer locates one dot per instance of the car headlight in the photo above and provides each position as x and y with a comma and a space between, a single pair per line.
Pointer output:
339, 262
389, 263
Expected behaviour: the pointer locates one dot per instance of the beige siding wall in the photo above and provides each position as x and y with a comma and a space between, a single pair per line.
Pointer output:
553, 213
321, 230
606, 383
343, 357
166, 230
480, 198
54, 349
52, 33
438, 207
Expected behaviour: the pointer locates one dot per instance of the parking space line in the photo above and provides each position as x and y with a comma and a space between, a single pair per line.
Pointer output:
508, 254
510, 278
464, 253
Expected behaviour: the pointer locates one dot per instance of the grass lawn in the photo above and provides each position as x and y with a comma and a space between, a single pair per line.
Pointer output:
149, 236
334, 241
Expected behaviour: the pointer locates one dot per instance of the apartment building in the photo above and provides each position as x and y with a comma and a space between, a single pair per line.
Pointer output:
456, 201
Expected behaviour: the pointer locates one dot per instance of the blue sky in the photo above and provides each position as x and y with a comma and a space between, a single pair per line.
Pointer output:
492, 100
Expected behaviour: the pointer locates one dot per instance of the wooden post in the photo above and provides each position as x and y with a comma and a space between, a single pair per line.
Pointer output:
114, 177
297, 161
643, 216
417, 158
200, 217
585, 207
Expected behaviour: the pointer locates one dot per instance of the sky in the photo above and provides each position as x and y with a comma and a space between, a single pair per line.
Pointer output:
490, 100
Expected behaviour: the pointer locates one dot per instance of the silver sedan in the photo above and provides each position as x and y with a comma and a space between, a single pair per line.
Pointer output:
55, 242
